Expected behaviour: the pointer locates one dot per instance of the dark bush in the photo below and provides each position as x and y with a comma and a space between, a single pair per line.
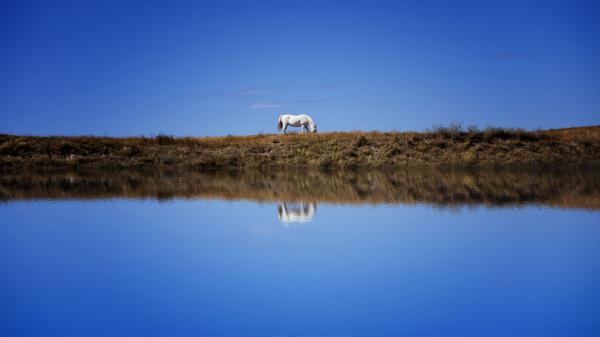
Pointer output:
165, 139
361, 141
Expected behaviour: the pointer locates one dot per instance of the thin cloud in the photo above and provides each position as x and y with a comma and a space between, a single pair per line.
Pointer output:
253, 92
264, 105
331, 84
250, 92
246, 93
269, 105
510, 55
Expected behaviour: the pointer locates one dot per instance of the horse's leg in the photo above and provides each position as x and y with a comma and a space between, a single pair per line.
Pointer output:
284, 130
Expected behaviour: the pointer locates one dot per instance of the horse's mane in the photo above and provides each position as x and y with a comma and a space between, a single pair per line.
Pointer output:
310, 120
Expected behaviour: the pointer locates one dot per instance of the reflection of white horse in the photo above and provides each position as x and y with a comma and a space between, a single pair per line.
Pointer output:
296, 120
296, 212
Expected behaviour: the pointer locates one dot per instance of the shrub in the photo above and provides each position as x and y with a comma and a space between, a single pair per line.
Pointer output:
361, 141
163, 139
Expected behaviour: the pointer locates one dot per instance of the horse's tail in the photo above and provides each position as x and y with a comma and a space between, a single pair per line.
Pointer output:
279, 123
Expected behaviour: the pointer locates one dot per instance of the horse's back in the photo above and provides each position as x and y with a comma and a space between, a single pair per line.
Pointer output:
296, 120
302, 117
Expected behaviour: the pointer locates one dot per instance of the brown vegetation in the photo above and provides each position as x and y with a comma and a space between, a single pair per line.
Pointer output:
452, 146
446, 187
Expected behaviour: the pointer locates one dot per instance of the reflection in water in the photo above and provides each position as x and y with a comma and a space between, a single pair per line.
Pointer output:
573, 189
230, 269
296, 212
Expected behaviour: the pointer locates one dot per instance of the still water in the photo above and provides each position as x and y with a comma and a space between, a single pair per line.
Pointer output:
426, 253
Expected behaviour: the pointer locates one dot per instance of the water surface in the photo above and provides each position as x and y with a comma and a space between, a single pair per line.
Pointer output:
425, 253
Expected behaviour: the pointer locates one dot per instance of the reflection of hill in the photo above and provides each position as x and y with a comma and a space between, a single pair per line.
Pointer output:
578, 189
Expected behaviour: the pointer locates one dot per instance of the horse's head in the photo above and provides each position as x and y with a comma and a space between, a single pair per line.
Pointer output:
314, 128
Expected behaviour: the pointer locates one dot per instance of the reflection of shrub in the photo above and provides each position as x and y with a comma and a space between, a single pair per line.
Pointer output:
325, 162
168, 159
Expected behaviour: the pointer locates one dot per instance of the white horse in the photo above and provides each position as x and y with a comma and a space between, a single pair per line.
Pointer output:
296, 120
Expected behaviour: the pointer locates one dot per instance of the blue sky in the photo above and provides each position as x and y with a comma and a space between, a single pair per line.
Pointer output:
214, 68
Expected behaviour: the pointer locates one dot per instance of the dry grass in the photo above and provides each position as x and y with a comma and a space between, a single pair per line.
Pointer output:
440, 187
451, 145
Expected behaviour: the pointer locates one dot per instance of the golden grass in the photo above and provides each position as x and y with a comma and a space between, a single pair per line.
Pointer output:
450, 146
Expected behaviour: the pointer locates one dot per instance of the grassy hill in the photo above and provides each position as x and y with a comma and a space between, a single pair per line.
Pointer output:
452, 146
